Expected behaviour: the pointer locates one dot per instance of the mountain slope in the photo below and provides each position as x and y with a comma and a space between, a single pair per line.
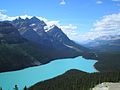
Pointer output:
12, 56
33, 30
107, 49
105, 43
25, 43
58, 36
9, 34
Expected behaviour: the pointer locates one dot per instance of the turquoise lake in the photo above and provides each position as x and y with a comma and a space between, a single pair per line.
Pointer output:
32, 75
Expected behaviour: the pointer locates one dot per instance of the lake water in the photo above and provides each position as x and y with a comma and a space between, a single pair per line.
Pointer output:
32, 75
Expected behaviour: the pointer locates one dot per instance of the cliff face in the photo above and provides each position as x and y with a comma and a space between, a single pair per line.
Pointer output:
9, 33
25, 43
12, 56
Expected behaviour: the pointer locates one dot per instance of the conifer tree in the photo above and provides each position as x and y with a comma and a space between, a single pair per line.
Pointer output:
25, 88
16, 87
0, 88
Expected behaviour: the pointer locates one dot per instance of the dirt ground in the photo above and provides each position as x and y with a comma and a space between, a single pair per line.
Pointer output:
107, 86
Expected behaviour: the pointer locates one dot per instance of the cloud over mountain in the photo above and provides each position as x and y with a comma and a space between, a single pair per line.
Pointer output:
108, 25
68, 29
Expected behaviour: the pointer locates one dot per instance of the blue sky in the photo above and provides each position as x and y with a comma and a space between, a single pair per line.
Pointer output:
81, 13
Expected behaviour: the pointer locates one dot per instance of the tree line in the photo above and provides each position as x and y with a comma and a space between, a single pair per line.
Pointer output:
74, 80
16, 88
77, 81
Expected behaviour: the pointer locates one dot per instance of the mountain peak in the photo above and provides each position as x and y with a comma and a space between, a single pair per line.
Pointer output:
54, 28
26, 18
56, 33
19, 18
34, 19
38, 21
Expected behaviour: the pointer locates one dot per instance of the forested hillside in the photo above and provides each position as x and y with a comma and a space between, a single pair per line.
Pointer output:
76, 80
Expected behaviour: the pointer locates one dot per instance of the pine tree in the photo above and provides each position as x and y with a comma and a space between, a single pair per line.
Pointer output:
16, 87
0, 88
25, 88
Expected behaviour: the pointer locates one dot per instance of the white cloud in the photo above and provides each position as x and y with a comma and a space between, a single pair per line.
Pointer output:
62, 2
55, 22
109, 25
3, 11
4, 17
69, 29
99, 2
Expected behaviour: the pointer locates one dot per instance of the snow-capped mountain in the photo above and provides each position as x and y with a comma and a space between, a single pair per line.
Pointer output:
105, 43
26, 43
33, 30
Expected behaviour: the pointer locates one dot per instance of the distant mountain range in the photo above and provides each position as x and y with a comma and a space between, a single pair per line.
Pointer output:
105, 43
25, 43
107, 49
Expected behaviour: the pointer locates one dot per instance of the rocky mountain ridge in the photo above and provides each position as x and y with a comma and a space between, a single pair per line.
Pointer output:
26, 43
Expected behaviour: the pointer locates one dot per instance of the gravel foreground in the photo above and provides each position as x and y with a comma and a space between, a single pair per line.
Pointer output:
107, 86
